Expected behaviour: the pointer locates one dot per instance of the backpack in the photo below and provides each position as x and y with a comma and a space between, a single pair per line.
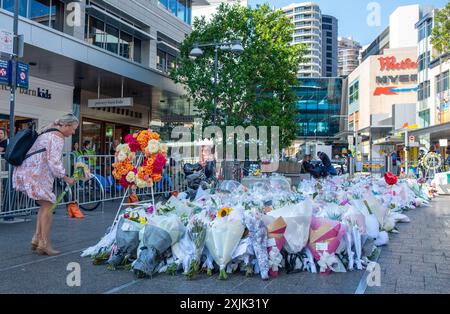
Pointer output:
17, 150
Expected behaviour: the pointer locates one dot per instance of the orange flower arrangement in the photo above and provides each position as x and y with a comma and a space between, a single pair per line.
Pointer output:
143, 137
122, 169
151, 169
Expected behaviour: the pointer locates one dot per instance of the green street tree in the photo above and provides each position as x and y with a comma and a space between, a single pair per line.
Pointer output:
440, 37
253, 88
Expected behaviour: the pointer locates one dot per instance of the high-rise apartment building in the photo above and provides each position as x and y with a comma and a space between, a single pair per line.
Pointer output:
348, 55
307, 19
329, 46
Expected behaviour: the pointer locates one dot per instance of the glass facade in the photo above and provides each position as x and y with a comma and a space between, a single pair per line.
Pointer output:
46, 12
113, 39
318, 104
180, 8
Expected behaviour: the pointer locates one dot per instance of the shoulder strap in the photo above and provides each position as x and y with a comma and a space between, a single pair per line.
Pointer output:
51, 130
42, 149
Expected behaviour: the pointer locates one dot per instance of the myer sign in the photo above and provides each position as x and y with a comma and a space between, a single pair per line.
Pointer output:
112, 102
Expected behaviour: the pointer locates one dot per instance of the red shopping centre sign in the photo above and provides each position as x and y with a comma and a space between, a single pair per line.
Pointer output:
390, 63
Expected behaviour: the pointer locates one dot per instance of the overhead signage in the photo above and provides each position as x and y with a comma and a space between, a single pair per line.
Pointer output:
390, 63
392, 90
111, 102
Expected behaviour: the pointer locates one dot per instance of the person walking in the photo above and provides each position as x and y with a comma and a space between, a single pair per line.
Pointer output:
37, 173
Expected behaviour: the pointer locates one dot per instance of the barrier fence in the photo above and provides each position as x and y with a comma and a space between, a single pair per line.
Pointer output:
100, 188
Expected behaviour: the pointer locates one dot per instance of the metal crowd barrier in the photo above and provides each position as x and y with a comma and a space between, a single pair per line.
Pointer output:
102, 187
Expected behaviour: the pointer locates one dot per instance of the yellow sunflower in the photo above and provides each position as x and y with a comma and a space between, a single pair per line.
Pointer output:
223, 212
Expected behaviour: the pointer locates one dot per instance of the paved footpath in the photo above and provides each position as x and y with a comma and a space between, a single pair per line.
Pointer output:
415, 261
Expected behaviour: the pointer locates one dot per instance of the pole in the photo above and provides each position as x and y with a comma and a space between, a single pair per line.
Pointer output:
13, 94
216, 65
406, 152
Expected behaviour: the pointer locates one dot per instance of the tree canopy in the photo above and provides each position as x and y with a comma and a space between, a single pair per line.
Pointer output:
255, 87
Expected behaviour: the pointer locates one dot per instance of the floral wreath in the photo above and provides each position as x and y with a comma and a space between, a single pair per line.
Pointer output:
431, 161
150, 172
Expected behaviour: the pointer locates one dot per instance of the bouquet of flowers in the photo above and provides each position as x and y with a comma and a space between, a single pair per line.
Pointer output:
222, 238
127, 241
81, 173
197, 233
258, 237
325, 238
276, 241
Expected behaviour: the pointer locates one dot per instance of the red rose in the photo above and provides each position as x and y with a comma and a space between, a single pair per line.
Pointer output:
159, 163
124, 183
132, 143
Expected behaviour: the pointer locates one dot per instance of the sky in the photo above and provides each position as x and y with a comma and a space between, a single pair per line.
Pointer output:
352, 15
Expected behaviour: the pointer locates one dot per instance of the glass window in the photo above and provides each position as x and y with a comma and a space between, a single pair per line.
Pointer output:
97, 33
9, 5
181, 9
171, 62
354, 93
429, 28
421, 32
112, 39
57, 15
40, 11
173, 6
161, 60
126, 45
164, 3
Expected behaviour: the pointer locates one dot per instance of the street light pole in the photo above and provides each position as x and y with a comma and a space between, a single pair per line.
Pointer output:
233, 46
12, 98
216, 69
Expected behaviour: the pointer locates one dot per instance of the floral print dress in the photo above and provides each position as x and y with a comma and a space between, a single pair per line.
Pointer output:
36, 175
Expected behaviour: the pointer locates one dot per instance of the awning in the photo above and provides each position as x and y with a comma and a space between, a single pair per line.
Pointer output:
436, 131
389, 140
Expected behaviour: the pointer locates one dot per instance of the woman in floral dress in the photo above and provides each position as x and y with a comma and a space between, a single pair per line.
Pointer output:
36, 176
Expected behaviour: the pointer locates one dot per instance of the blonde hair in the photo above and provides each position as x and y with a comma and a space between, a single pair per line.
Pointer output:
67, 119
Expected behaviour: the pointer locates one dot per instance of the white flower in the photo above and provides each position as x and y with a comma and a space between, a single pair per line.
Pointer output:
123, 148
163, 148
153, 146
131, 177
122, 156
141, 183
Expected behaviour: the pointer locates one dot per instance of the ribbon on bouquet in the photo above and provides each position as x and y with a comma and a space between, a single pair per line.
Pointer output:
276, 241
326, 261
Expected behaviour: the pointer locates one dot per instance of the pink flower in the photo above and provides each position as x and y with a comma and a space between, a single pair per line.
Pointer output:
150, 210
132, 143
124, 183
159, 163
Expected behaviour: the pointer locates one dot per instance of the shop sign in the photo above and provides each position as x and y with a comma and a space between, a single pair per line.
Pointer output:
111, 102
390, 63
392, 90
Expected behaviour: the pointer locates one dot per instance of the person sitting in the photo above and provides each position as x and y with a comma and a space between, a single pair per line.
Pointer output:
327, 168
309, 168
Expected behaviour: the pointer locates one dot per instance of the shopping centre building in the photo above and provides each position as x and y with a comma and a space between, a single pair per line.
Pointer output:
105, 60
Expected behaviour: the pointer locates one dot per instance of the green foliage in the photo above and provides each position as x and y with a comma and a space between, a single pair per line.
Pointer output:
440, 37
254, 88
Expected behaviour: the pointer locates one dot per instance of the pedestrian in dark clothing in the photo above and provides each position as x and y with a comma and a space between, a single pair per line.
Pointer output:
328, 168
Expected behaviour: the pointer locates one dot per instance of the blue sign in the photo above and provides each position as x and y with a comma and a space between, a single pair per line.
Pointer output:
22, 75
5, 72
